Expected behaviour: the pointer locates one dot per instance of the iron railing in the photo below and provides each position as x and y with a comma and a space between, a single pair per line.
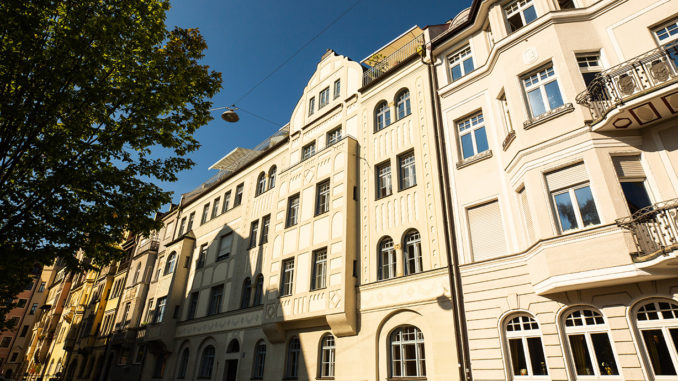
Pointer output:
654, 228
632, 78
381, 65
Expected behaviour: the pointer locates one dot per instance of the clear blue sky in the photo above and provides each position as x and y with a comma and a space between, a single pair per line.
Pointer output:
249, 39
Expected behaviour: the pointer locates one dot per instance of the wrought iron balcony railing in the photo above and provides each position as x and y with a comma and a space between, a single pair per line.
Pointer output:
637, 76
381, 65
654, 229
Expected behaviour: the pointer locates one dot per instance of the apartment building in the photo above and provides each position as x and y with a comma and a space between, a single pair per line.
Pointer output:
560, 146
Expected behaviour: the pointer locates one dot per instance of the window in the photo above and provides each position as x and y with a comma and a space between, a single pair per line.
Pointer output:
206, 362
383, 172
136, 274
407, 352
311, 106
254, 230
24, 331
259, 360
503, 104
307, 151
382, 116
526, 351
265, 225
34, 308
526, 214
238, 195
191, 218
572, 198
246, 293
150, 315
292, 211
215, 300
632, 180
171, 263
472, 135
227, 200
403, 104
667, 32
183, 364
287, 280
5, 342
408, 176
193, 305
540, 86
16, 354
486, 231
261, 184
337, 88
460, 62
324, 98
518, 14
412, 253
225, 243
181, 226
125, 314
271, 177
160, 310
589, 66
387, 259
333, 136
567, 4
327, 356
658, 325
319, 276
215, 207
159, 366
259, 291
205, 213
322, 197
293, 354
202, 255
590, 347
42, 287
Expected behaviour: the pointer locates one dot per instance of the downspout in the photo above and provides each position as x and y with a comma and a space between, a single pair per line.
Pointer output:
458, 312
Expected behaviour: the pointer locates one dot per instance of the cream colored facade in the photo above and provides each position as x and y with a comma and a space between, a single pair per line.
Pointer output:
538, 181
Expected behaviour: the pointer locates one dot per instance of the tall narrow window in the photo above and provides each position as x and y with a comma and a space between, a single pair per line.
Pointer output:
506, 114
322, 197
261, 184
227, 200
632, 180
408, 176
246, 293
327, 356
181, 226
150, 313
191, 218
383, 172
486, 231
308, 151
413, 262
387, 259
259, 360
193, 305
518, 14
324, 98
572, 198
202, 257
206, 362
216, 294
238, 195
542, 91
271, 177
287, 280
403, 104
589, 66
171, 263
183, 364
225, 244
319, 276
215, 207
265, 224
382, 115
259, 291
658, 325
293, 357
407, 352
590, 347
472, 135
254, 230
311, 106
337, 88
292, 210
525, 347
160, 310
205, 214
333, 136
460, 62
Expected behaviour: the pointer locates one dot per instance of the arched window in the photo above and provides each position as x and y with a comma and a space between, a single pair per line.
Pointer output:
183, 364
658, 325
382, 116
259, 290
246, 292
271, 177
233, 346
327, 356
407, 352
261, 183
136, 274
412, 244
590, 347
171, 263
525, 347
259, 360
387, 259
293, 354
206, 362
403, 104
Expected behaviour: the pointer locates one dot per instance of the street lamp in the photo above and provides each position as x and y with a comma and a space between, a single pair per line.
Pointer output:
229, 115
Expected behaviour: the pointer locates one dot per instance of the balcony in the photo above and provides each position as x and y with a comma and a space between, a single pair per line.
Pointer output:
654, 230
635, 93
379, 65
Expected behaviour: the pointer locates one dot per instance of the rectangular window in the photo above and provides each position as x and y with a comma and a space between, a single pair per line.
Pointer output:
503, 104
181, 226
202, 255
149, 313
322, 197
472, 135
24, 331
408, 176
311, 106
460, 62
238, 195
205, 214
333, 136
632, 180
383, 172
216, 293
193, 305
42, 287
324, 98
527, 216
667, 32
215, 207
567, 4
265, 224
34, 308
292, 211
254, 230
227, 200
5, 342
225, 243
542, 91
307, 151
589, 66
518, 14
486, 231
337, 88
572, 198
191, 218
160, 310
319, 276
287, 279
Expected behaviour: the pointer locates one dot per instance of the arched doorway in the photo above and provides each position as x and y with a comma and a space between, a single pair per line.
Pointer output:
231, 361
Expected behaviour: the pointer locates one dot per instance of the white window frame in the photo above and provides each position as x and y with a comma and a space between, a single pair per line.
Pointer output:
287, 277
587, 330
237, 200
322, 198
382, 116
459, 58
261, 184
470, 125
661, 323
575, 205
227, 200
522, 327
333, 136
419, 357
407, 170
387, 262
403, 99
311, 106
337, 88
308, 151
537, 81
319, 275
518, 6
671, 28
293, 358
413, 243
327, 356
384, 183
293, 204
324, 97
215, 207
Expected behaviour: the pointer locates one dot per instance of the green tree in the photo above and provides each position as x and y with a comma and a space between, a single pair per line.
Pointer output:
90, 91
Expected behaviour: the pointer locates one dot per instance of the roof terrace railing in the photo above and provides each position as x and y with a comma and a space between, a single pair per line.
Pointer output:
380, 66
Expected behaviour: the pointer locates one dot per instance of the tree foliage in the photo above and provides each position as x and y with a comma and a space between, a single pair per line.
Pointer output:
89, 91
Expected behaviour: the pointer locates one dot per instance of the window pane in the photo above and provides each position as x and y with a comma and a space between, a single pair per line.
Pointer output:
456, 72
636, 195
536, 102
537, 356
658, 352
518, 357
530, 14
565, 211
515, 22
587, 207
553, 94
468, 65
467, 146
604, 355
580, 354
481, 140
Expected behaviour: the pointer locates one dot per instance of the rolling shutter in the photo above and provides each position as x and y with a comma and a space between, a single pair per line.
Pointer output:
566, 177
487, 231
628, 167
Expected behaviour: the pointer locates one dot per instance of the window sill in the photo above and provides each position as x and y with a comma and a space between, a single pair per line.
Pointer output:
549, 115
321, 213
324, 378
413, 378
223, 257
508, 140
384, 196
474, 159
406, 188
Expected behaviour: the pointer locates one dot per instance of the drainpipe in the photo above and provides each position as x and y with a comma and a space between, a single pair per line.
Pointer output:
458, 312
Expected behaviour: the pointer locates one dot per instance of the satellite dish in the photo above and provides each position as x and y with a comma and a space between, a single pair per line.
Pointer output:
230, 116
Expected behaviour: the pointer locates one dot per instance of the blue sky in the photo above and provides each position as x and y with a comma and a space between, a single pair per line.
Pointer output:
247, 40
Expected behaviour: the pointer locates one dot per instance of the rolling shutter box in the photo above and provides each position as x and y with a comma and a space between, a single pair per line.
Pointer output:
628, 167
566, 177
